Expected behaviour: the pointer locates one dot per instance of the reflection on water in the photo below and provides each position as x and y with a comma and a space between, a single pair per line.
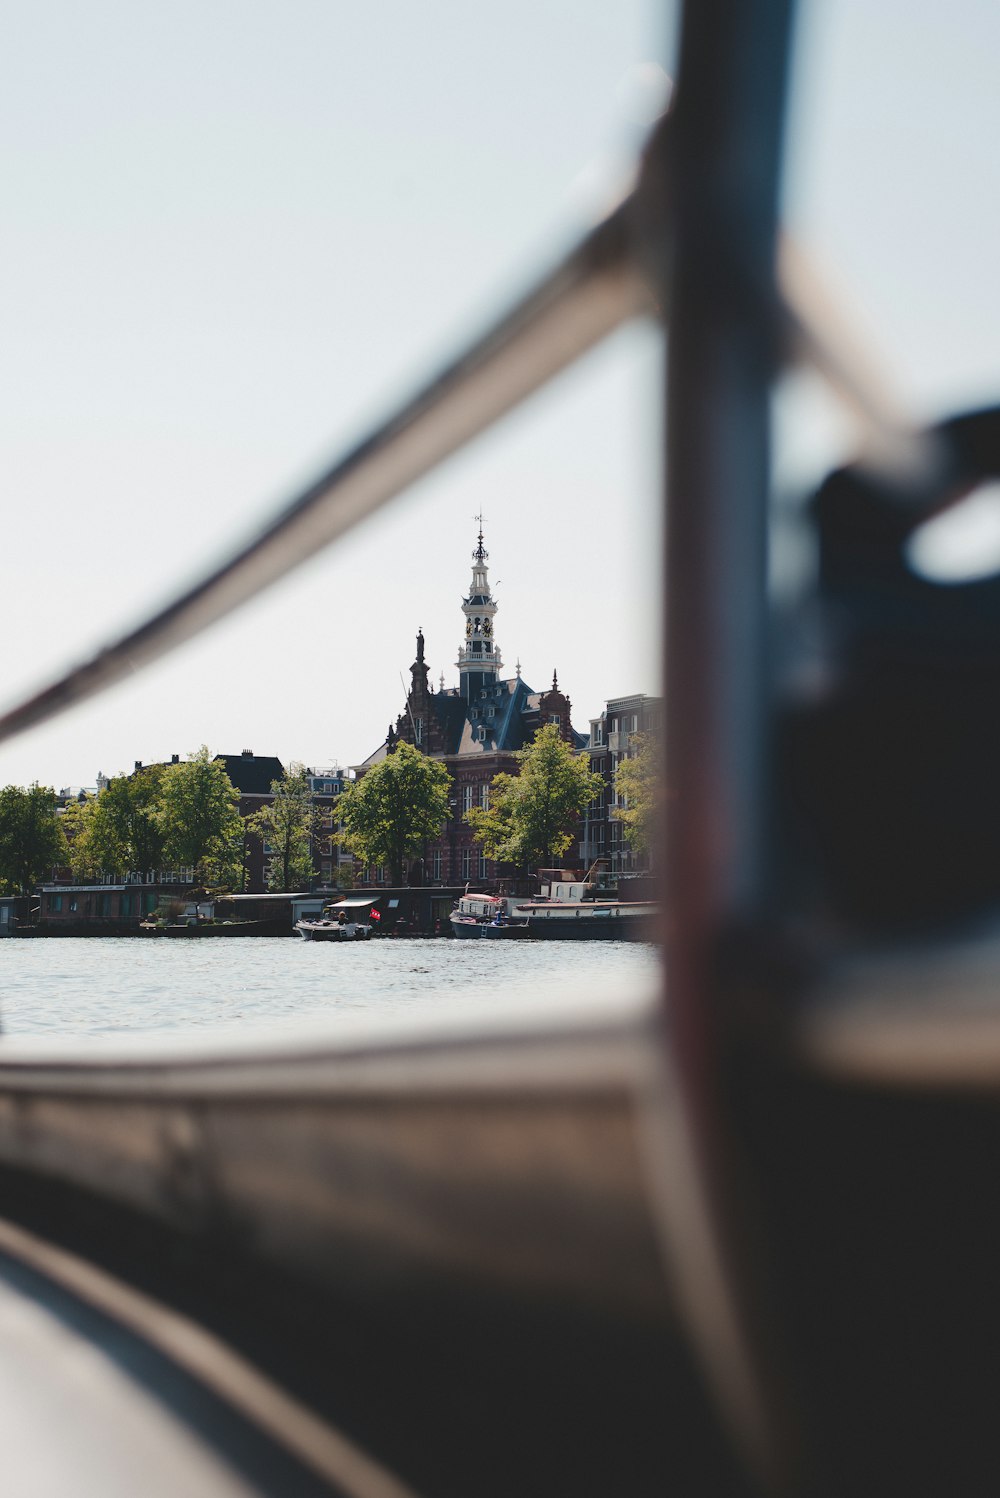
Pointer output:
73, 987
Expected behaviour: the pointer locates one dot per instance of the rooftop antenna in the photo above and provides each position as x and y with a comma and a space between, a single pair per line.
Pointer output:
406, 699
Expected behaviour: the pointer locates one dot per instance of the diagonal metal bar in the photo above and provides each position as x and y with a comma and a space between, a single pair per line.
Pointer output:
589, 294
602, 283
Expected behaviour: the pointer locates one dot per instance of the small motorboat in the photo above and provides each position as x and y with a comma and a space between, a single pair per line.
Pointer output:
342, 920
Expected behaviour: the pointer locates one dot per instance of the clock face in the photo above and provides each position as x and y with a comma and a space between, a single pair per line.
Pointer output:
468, 626
487, 627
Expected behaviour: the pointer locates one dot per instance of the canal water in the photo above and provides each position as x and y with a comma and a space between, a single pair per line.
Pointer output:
68, 987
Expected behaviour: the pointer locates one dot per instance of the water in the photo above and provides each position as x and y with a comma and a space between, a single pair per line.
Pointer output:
165, 990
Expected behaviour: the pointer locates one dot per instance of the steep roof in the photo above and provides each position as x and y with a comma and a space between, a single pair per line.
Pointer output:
252, 774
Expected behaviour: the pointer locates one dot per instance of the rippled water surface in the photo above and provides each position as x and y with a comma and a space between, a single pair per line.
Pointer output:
113, 986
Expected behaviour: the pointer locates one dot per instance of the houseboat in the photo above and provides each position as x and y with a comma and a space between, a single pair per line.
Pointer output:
569, 909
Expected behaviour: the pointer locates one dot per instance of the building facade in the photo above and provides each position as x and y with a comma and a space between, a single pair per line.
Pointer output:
613, 737
475, 728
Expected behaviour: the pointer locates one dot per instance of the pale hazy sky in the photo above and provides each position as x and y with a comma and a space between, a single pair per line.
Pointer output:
232, 233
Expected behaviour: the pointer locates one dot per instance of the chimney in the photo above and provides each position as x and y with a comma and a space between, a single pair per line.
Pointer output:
138, 764
247, 754
175, 759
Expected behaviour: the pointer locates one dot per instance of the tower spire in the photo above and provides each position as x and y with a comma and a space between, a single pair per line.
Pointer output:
479, 657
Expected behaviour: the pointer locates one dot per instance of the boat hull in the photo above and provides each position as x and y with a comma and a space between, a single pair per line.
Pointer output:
274, 927
333, 933
592, 928
486, 931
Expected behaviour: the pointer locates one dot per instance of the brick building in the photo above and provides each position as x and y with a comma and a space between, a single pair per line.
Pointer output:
474, 728
252, 776
612, 739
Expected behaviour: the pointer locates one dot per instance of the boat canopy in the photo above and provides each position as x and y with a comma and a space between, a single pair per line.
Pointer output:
360, 902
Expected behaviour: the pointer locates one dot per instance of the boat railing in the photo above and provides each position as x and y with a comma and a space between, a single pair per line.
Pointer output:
659, 1140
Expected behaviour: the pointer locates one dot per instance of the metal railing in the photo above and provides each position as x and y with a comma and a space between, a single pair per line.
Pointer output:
617, 272
696, 245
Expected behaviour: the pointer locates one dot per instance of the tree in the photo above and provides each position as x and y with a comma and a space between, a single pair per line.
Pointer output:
31, 840
199, 818
126, 831
287, 825
636, 791
530, 816
76, 821
394, 808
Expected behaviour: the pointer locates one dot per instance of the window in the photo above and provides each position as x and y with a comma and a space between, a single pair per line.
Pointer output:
126, 904
104, 903
55, 903
466, 864
482, 865
484, 795
554, 718
72, 904
436, 865
418, 730
468, 791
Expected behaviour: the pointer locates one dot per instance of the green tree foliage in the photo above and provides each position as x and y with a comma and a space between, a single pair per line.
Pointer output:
125, 831
199, 818
636, 791
31, 841
530, 817
287, 825
76, 821
394, 808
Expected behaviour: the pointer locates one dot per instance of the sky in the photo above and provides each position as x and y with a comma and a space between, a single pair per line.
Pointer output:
233, 234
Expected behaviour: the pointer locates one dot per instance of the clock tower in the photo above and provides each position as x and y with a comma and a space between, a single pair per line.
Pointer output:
479, 657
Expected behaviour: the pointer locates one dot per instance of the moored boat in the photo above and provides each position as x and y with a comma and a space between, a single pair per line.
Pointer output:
269, 927
486, 917
340, 921
591, 920
588, 909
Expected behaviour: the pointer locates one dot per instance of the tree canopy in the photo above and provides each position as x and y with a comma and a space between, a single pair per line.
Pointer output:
531, 815
287, 826
199, 818
394, 808
636, 791
31, 841
125, 830
76, 821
